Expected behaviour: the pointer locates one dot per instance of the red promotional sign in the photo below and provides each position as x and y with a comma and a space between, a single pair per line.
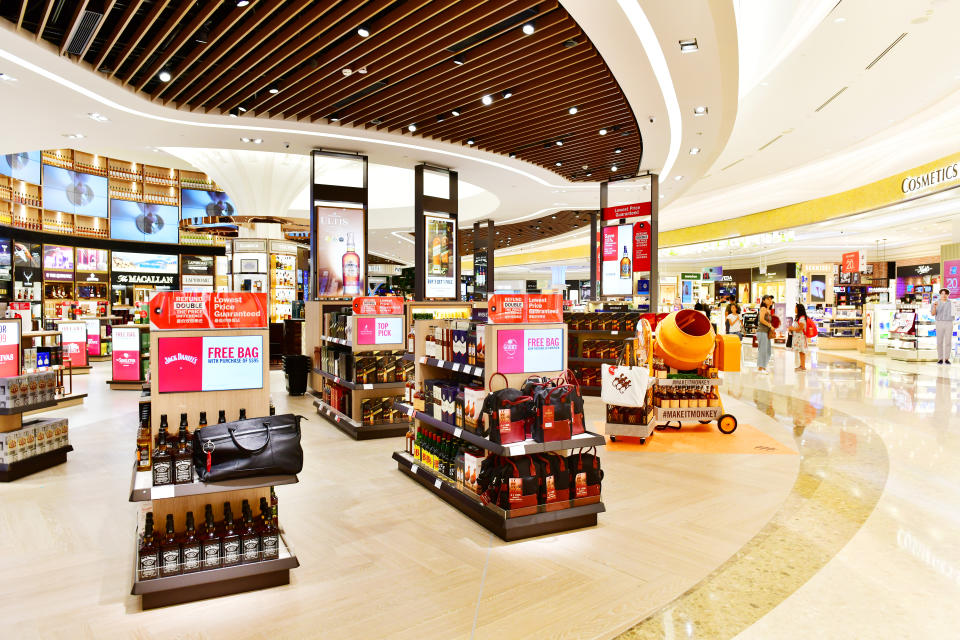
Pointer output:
627, 211
609, 244
126, 353
378, 306
853, 262
530, 307
196, 310
9, 349
951, 277
641, 247
73, 338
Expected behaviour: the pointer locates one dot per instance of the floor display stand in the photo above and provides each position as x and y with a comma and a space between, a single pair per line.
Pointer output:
130, 359
52, 339
595, 340
100, 337
506, 525
357, 370
178, 499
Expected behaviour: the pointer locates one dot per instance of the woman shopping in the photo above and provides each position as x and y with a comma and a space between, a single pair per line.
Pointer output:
799, 329
734, 321
764, 333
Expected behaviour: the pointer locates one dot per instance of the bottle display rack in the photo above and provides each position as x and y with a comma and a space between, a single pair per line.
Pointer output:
596, 340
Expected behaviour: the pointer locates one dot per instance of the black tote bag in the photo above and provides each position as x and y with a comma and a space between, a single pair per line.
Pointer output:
268, 446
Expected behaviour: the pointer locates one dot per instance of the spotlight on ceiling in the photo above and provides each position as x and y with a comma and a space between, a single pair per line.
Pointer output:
618, 150
99, 117
678, 178
242, 109
689, 46
274, 89
559, 164
589, 173
486, 99
471, 141
699, 111
334, 117
245, 139
603, 132
694, 151
559, 143
513, 154
455, 112
363, 31
459, 59
73, 136
441, 118
164, 76
613, 168
242, 3
411, 128
257, 140
529, 28
506, 94
572, 111
235, 113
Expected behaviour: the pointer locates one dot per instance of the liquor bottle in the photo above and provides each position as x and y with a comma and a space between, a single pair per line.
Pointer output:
162, 461
444, 251
351, 269
143, 446
210, 540
435, 250
203, 420
184, 424
249, 538
222, 417
149, 563
190, 547
274, 507
169, 550
183, 457
243, 414
230, 538
269, 534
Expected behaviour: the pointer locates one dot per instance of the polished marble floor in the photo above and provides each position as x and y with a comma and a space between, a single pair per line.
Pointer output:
853, 538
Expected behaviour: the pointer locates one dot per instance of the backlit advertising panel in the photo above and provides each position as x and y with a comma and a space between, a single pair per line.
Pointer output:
617, 260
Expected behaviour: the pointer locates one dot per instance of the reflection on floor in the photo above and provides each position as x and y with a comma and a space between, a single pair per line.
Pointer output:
704, 438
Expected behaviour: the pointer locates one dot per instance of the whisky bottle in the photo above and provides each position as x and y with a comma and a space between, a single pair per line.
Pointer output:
162, 462
210, 541
274, 503
183, 458
164, 426
169, 551
249, 538
149, 562
269, 534
243, 414
190, 547
203, 420
230, 538
222, 417
624, 265
351, 269
143, 446
184, 424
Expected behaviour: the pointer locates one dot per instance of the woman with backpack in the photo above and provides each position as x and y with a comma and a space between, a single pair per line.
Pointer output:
799, 327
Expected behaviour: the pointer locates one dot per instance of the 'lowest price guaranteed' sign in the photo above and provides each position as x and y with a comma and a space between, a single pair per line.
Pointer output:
202, 310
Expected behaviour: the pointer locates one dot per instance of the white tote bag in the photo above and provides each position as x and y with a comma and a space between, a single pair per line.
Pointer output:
624, 386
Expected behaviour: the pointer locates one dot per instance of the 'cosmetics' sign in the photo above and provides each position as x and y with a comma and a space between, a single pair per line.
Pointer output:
948, 173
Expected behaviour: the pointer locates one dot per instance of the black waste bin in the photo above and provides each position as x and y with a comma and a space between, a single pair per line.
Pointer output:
296, 367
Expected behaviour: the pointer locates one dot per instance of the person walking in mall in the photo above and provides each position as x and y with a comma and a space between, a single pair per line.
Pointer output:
764, 330
799, 329
734, 321
942, 311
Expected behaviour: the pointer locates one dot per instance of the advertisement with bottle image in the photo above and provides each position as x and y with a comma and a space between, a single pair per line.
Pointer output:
441, 257
617, 267
340, 252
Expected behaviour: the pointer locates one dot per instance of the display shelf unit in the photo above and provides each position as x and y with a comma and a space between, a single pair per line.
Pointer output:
177, 500
495, 520
441, 310
34, 464
142, 489
470, 370
587, 369
324, 383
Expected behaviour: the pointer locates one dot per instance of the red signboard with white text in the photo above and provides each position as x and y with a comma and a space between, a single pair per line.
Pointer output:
209, 363
378, 306
853, 262
951, 277
126, 354
200, 310
506, 308
627, 211
641, 247
73, 338
9, 348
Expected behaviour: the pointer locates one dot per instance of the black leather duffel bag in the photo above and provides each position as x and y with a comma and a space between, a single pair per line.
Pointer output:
268, 446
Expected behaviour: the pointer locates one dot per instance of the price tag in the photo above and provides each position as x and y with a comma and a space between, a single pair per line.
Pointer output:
456, 367
613, 332
411, 411
515, 450
440, 363
336, 379
457, 432
437, 483
163, 491
368, 386
414, 468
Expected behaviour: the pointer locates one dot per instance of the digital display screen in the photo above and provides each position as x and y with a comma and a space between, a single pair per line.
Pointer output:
200, 204
57, 257
128, 262
144, 222
21, 166
92, 260
74, 192
529, 350
617, 264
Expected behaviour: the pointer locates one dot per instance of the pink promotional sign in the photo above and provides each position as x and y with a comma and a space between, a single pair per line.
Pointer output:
126, 354
529, 350
9, 349
610, 243
179, 366
378, 330
951, 277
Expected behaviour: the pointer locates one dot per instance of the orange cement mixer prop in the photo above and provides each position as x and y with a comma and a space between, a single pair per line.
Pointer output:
685, 338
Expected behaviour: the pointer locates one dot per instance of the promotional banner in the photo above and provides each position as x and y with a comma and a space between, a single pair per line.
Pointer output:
686, 291
9, 349
209, 363
57, 262
712, 274
341, 255
441, 257
378, 306
818, 288
73, 337
126, 353
641, 247
93, 337
617, 269
379, 331
94, 260
506, 308
853, 262
529, 350
951, 277
201, 310
127, 262
627, 211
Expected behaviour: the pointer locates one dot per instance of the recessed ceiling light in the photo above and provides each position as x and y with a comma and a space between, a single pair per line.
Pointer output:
572, 110
694, 151
234, 113
73, 136
459, 59
678, 178
411, 128
6, 77
603, 132
471, 141
441, 118
513, 154
274, 88
257, 140
242, 3
589, 173
506, 94
242, 109
618, 150
98, 117
486, 99
455, 112
334, 117
559, 143
689, 46
699, 111
245, 139
363, 32
529, 28
559, 164
164, 76
840, 19
613, 168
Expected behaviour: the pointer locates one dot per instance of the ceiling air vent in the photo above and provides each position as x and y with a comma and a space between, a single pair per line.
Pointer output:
886, 51
82, 32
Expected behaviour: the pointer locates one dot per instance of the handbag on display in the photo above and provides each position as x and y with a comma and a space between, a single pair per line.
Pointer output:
624, 386
509, 483
508, 414
585, 475
578, 424
267, 446
554, 480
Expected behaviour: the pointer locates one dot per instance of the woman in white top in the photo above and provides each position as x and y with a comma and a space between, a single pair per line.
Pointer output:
734, 320
942, 311
799, 327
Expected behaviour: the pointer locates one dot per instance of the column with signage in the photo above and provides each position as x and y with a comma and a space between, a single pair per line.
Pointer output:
484, 249
626, 257
435, 207
208, 358
524, 335
358, 367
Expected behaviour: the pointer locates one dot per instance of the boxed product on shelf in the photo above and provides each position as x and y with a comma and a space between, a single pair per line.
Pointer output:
37, 436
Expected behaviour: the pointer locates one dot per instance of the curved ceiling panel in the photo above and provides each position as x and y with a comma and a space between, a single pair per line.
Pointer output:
516, 77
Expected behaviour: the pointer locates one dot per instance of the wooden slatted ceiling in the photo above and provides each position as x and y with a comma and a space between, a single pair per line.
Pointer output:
517, 233
223, 58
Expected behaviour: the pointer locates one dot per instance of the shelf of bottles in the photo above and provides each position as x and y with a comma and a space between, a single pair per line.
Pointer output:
283, 285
